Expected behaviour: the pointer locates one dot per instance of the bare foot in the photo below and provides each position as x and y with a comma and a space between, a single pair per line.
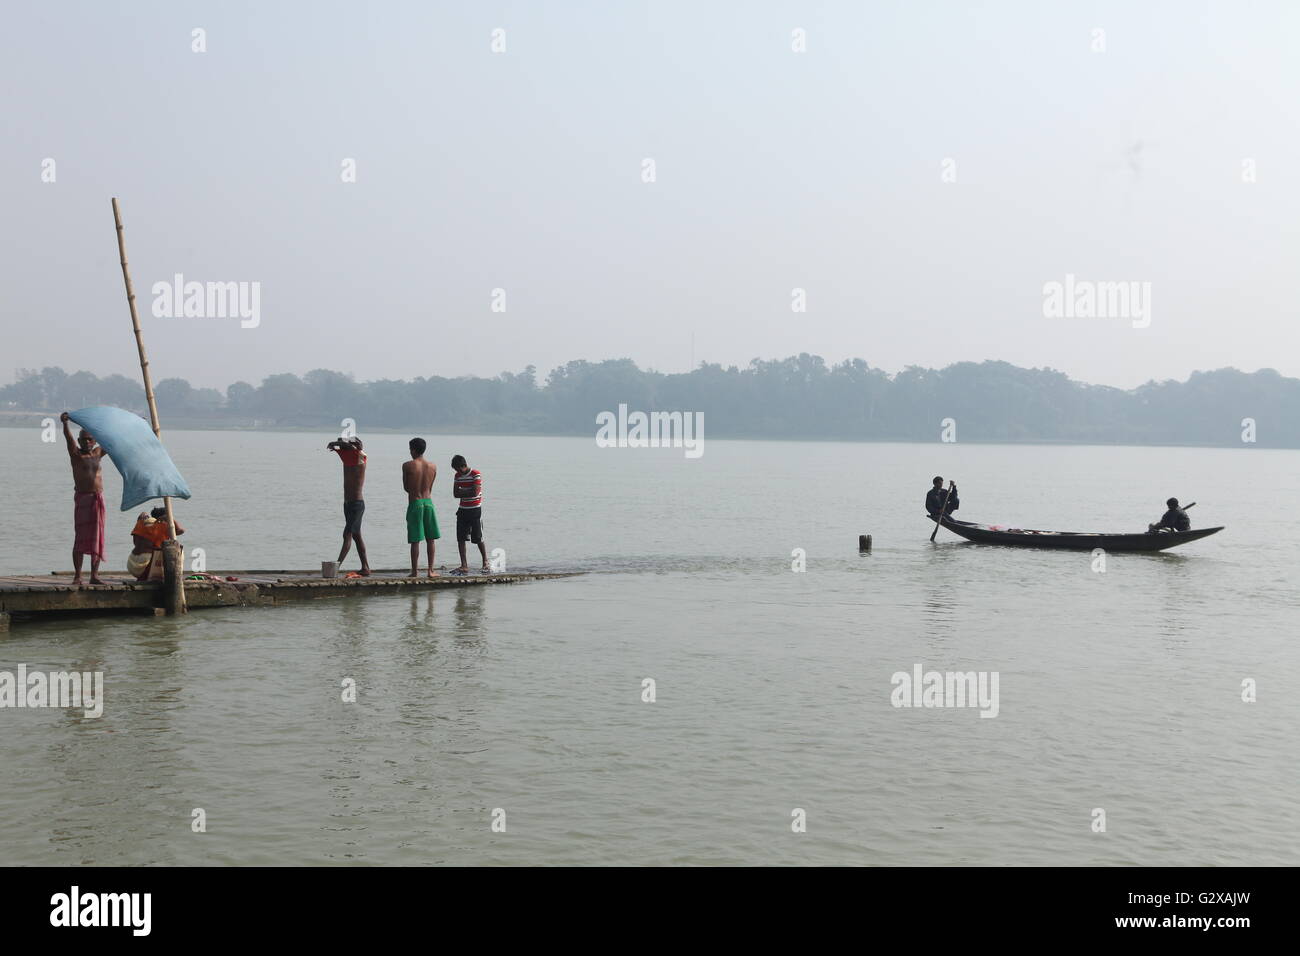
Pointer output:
433, 573
95, 580
364, 572
76, 582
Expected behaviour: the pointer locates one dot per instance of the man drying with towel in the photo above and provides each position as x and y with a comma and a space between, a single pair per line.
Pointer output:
88, 501
354, 506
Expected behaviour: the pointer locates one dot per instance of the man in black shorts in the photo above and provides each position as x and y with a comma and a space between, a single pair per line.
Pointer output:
354, 506
467, 486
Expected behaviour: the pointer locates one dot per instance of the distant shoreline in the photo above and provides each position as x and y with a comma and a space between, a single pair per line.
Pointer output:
798, 398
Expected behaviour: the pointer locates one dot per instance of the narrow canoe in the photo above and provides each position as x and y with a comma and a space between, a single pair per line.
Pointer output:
1074, 541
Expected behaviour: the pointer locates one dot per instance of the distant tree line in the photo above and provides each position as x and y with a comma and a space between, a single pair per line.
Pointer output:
797, 397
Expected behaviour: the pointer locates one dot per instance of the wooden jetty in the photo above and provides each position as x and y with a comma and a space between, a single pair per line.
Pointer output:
26, 597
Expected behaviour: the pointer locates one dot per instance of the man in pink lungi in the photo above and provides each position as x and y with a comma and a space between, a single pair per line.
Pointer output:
88, 512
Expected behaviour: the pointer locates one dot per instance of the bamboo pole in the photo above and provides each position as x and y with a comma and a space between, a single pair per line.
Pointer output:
176, 596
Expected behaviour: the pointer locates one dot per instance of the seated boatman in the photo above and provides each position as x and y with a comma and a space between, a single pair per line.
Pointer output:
935, 500
1175, 519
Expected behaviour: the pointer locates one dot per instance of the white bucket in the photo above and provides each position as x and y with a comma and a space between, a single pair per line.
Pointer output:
329, 569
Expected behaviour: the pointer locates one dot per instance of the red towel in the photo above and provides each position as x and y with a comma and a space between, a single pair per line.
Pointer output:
88, 514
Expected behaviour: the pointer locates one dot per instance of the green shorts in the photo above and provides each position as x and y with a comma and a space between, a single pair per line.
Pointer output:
421, 521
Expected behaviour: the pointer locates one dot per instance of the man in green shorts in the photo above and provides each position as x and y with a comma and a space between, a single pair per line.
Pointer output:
418, 476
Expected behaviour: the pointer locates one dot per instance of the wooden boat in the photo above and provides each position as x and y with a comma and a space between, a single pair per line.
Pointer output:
1073, 540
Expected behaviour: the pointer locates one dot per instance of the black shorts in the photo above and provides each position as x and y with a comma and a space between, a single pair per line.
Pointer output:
469, 525
353, 511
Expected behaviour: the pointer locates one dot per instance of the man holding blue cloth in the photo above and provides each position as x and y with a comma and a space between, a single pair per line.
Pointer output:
88, 501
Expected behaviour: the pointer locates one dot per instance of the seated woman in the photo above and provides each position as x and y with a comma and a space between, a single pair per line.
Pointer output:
148, 535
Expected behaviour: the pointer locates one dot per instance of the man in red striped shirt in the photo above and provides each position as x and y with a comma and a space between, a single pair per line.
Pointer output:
467, 486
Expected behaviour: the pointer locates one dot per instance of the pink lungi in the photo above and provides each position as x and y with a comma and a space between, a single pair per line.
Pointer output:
88, 515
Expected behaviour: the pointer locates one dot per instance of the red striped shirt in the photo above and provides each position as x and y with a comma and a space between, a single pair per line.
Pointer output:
472, 482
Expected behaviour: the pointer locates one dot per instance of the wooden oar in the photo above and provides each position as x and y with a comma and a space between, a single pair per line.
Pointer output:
942, 508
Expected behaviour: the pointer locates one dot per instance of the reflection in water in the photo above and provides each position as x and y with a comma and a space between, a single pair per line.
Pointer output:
469, 618
944, 587
419, 635
421, 608
349, 638
113, 763
1177, 610
349, 658
416, 718
352, 617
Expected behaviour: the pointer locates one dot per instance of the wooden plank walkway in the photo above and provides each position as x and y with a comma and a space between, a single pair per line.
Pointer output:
28, 596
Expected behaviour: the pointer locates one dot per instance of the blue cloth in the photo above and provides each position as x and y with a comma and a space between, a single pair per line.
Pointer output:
147, 470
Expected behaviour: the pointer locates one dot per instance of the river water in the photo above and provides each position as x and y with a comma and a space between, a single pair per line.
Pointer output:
1119, 690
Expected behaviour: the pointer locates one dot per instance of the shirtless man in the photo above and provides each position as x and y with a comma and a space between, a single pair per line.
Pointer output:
354, 506
418, 476
88, 501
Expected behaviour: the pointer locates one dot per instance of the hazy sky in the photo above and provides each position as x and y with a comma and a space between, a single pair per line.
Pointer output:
775, 170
